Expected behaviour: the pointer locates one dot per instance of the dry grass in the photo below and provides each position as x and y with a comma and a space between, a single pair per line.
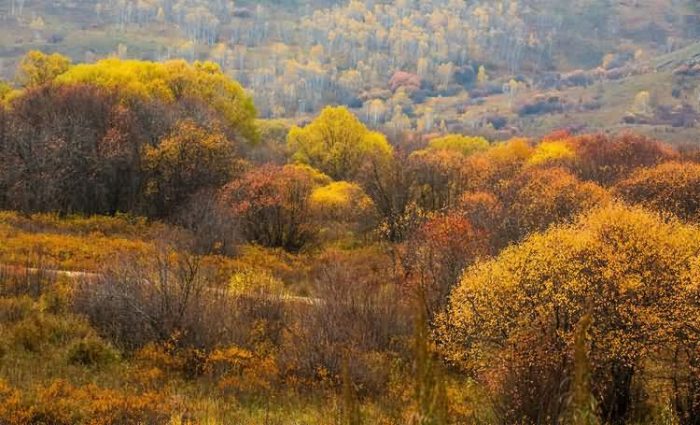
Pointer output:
79, 244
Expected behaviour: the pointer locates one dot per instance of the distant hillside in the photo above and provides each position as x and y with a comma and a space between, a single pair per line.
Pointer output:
402, 65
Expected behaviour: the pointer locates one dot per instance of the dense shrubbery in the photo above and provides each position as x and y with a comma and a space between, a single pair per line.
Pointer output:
512, 320
538, 198
273, 204
121, 136
606, 159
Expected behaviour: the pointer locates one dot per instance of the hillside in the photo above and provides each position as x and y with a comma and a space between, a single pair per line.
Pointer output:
405, 65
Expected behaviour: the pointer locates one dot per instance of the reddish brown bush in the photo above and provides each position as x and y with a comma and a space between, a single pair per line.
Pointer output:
540, 197
272, 205
486, 213
607, 159
671, 187
435, 256
69, 149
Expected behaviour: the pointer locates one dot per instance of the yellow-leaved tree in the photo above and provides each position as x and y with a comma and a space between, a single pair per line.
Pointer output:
173, 81
338, 144
186, 161
552, 153
37, 68
512, 321
5, 89
458, 143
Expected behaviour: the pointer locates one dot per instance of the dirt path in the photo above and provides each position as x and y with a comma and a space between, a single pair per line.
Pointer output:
22, 271
12, 270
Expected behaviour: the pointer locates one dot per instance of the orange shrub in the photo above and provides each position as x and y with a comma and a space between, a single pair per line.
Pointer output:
606, 159
488, 170
435, 256
61, 403
671, 187
66, 252
239, 370
540, 197
12, 409
272, 204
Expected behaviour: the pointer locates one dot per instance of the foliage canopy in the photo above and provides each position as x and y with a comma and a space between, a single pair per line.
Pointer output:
172, 81
338, 144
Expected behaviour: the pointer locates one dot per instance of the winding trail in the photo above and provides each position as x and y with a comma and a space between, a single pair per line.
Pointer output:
25, 272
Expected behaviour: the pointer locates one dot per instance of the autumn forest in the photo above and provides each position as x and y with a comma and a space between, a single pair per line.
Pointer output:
320, 212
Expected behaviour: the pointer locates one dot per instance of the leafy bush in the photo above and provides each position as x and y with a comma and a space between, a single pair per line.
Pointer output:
273, 204
38, 331
91, 351
511, 322
671, 187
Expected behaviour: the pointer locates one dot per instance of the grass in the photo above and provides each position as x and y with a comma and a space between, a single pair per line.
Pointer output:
76, 245
90, 244
123, 225
32, 361
668, 61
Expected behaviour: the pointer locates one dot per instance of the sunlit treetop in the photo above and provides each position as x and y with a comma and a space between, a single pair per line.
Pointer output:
341, 202
172, 81
459, 143
338, 144
341, 196
551, 152
37, 68
498, 164
514, 150
334, 194
316, 177
540, 197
